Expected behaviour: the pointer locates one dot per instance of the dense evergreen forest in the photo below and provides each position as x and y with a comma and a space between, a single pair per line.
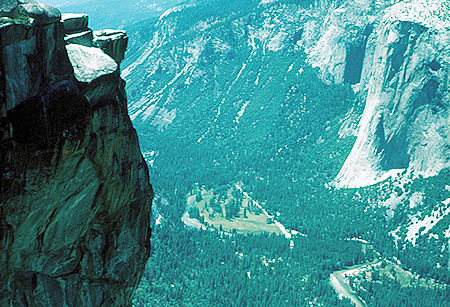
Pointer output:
266, 120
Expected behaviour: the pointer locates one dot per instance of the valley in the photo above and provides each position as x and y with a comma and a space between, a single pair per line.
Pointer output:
225, 153
251, 128
115, 13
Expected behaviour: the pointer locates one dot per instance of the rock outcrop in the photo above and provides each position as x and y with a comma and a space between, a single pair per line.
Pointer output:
112, 42
76, 29
398, 58
75, 197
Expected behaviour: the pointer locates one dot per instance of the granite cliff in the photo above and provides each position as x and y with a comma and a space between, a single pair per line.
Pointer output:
396, 56
75, 197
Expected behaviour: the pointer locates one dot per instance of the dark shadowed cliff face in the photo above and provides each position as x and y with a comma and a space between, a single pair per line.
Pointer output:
75, 197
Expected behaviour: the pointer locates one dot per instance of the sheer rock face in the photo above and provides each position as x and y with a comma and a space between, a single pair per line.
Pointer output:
112, 42
405, 122
74, 193
398, 58
336, 40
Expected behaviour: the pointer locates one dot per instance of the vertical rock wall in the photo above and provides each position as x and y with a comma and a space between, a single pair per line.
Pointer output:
405, 121
397, 58
75, 197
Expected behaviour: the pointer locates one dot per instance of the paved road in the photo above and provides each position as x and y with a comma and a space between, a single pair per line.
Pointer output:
342, 287
192, 222
280, 226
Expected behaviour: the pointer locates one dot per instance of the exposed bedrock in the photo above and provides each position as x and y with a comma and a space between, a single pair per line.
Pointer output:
405, 121
75, 197
397, 58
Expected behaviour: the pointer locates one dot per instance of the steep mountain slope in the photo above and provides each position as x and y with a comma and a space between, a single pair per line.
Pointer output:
75, 198
398, 58
272, 95
242, 82
116, 13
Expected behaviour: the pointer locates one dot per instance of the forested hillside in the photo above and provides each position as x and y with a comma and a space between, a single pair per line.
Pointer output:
115, 13
221, 93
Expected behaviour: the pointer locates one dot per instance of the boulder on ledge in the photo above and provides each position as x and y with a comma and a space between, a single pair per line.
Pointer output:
112, 42
74, 22
89, 63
